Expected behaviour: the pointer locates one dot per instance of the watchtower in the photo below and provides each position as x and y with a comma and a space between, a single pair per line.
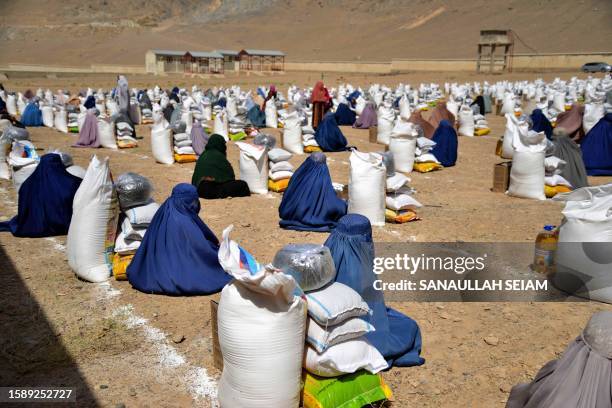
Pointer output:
495, 50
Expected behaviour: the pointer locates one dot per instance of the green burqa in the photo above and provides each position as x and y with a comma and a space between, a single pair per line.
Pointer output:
213, 164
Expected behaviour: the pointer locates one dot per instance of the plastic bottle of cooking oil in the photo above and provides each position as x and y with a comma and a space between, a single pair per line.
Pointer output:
545, 247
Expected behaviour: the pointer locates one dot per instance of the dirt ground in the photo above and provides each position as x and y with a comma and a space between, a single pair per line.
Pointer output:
120, 346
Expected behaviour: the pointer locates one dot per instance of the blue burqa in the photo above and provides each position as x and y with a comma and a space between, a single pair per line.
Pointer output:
445, 149
257, 116
597, 148
310, 202
397, 337
45, 201
344, 115
178, 255
329, 137
541, 123
32, 116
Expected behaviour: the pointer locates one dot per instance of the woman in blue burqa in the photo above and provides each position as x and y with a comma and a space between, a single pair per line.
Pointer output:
178, 255
32, 115
597, 148
45, 201
541, 123
445, 149
310, 202
345, 116
328, 135
397, 337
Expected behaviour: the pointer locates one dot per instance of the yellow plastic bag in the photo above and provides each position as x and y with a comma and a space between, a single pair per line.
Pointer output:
401, 216
185, 158
312, 149
551, 191
360, 389
278, 186
124, 144
120, 264
482, 132
427, 167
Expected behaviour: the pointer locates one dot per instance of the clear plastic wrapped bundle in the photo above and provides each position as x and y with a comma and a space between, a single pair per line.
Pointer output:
311, 265
264, 139
13, 133
133, 190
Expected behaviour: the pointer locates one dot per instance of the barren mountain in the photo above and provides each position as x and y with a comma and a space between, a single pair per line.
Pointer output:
72, 32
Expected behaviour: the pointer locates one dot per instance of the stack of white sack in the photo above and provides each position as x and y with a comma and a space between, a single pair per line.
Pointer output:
309, 141
280, 170
335, 343
400, 206
73, 119
481, 126
137, 207
125, 134
554, 182
261, 326
424, 160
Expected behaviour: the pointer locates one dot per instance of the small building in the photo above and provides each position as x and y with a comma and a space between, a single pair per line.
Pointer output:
181, 62
261, 60
230, 59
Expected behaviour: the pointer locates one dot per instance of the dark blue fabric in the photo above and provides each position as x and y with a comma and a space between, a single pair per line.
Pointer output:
2, 106
352, 98
344, 115
90, 102
32, 116
45, 201
445, 149
257, 116
397, 337
310, 202
597, 148
541, 123
178, 255
220, 102
329, 136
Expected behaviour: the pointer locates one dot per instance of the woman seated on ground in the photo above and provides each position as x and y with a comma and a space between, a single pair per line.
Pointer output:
441, 113
32, 115
541, 123
597, 148
345, 116
89, 135
179, 253
397, 336
368, 117
445, 149
417, 118
328, 135
213, 175
571, 121
568, 151
310, 202
45, 201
